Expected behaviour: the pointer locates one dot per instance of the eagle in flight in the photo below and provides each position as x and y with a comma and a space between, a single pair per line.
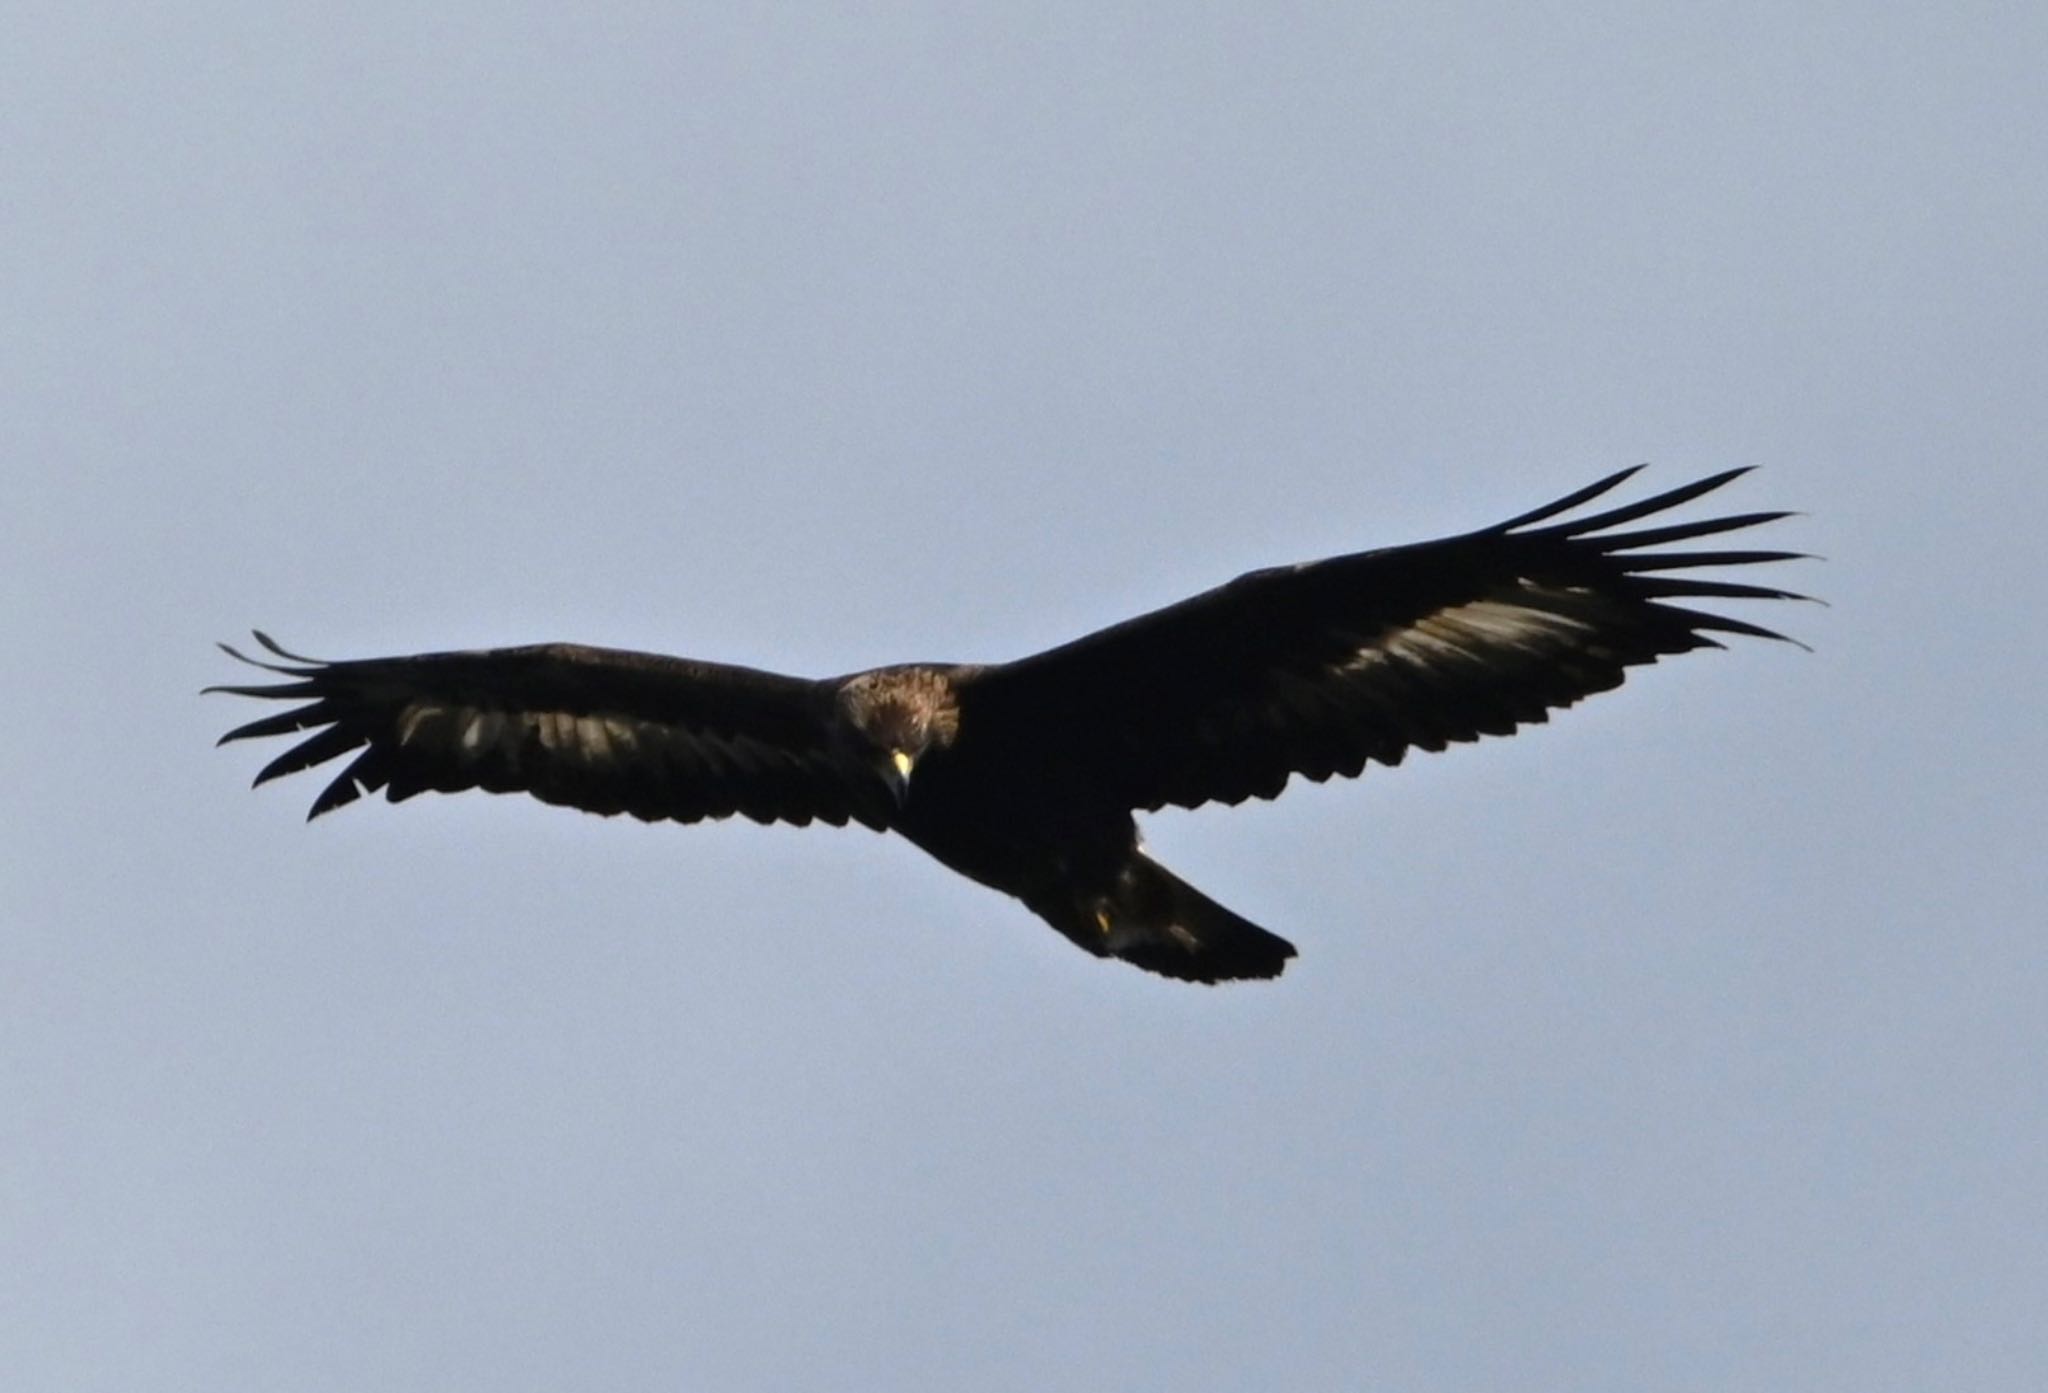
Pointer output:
1025, 775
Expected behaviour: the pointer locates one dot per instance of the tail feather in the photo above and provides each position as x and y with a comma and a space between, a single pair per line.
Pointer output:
1155, 920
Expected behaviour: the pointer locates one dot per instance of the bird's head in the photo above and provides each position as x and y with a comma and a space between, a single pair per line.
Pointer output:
899, 716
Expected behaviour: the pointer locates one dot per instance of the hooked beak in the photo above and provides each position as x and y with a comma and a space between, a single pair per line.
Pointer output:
897, 775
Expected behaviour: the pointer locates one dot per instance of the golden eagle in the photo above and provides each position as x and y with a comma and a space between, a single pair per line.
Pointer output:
1025, 775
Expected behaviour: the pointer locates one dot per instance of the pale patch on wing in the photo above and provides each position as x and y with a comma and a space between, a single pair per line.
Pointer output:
560, 732
483, 730
1529, 618
609, 762
421, 721
471, 735
597, 739
622, 738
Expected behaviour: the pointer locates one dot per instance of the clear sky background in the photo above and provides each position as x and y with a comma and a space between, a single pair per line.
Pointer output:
1694, 1042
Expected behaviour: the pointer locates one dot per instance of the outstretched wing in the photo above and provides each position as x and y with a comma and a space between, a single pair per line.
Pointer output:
1316, 669
590, 728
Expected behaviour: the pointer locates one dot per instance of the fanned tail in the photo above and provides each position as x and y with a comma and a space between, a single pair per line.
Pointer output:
1155, 920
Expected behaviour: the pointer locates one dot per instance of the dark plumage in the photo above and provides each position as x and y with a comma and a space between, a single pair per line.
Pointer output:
1025, 775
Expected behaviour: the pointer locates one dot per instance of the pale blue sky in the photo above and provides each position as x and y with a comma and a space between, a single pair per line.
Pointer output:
1694, 1042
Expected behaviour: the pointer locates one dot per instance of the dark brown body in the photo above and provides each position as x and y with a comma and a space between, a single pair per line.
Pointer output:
980, 810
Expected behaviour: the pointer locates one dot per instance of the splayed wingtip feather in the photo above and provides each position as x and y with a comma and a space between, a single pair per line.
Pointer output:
1571, 500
